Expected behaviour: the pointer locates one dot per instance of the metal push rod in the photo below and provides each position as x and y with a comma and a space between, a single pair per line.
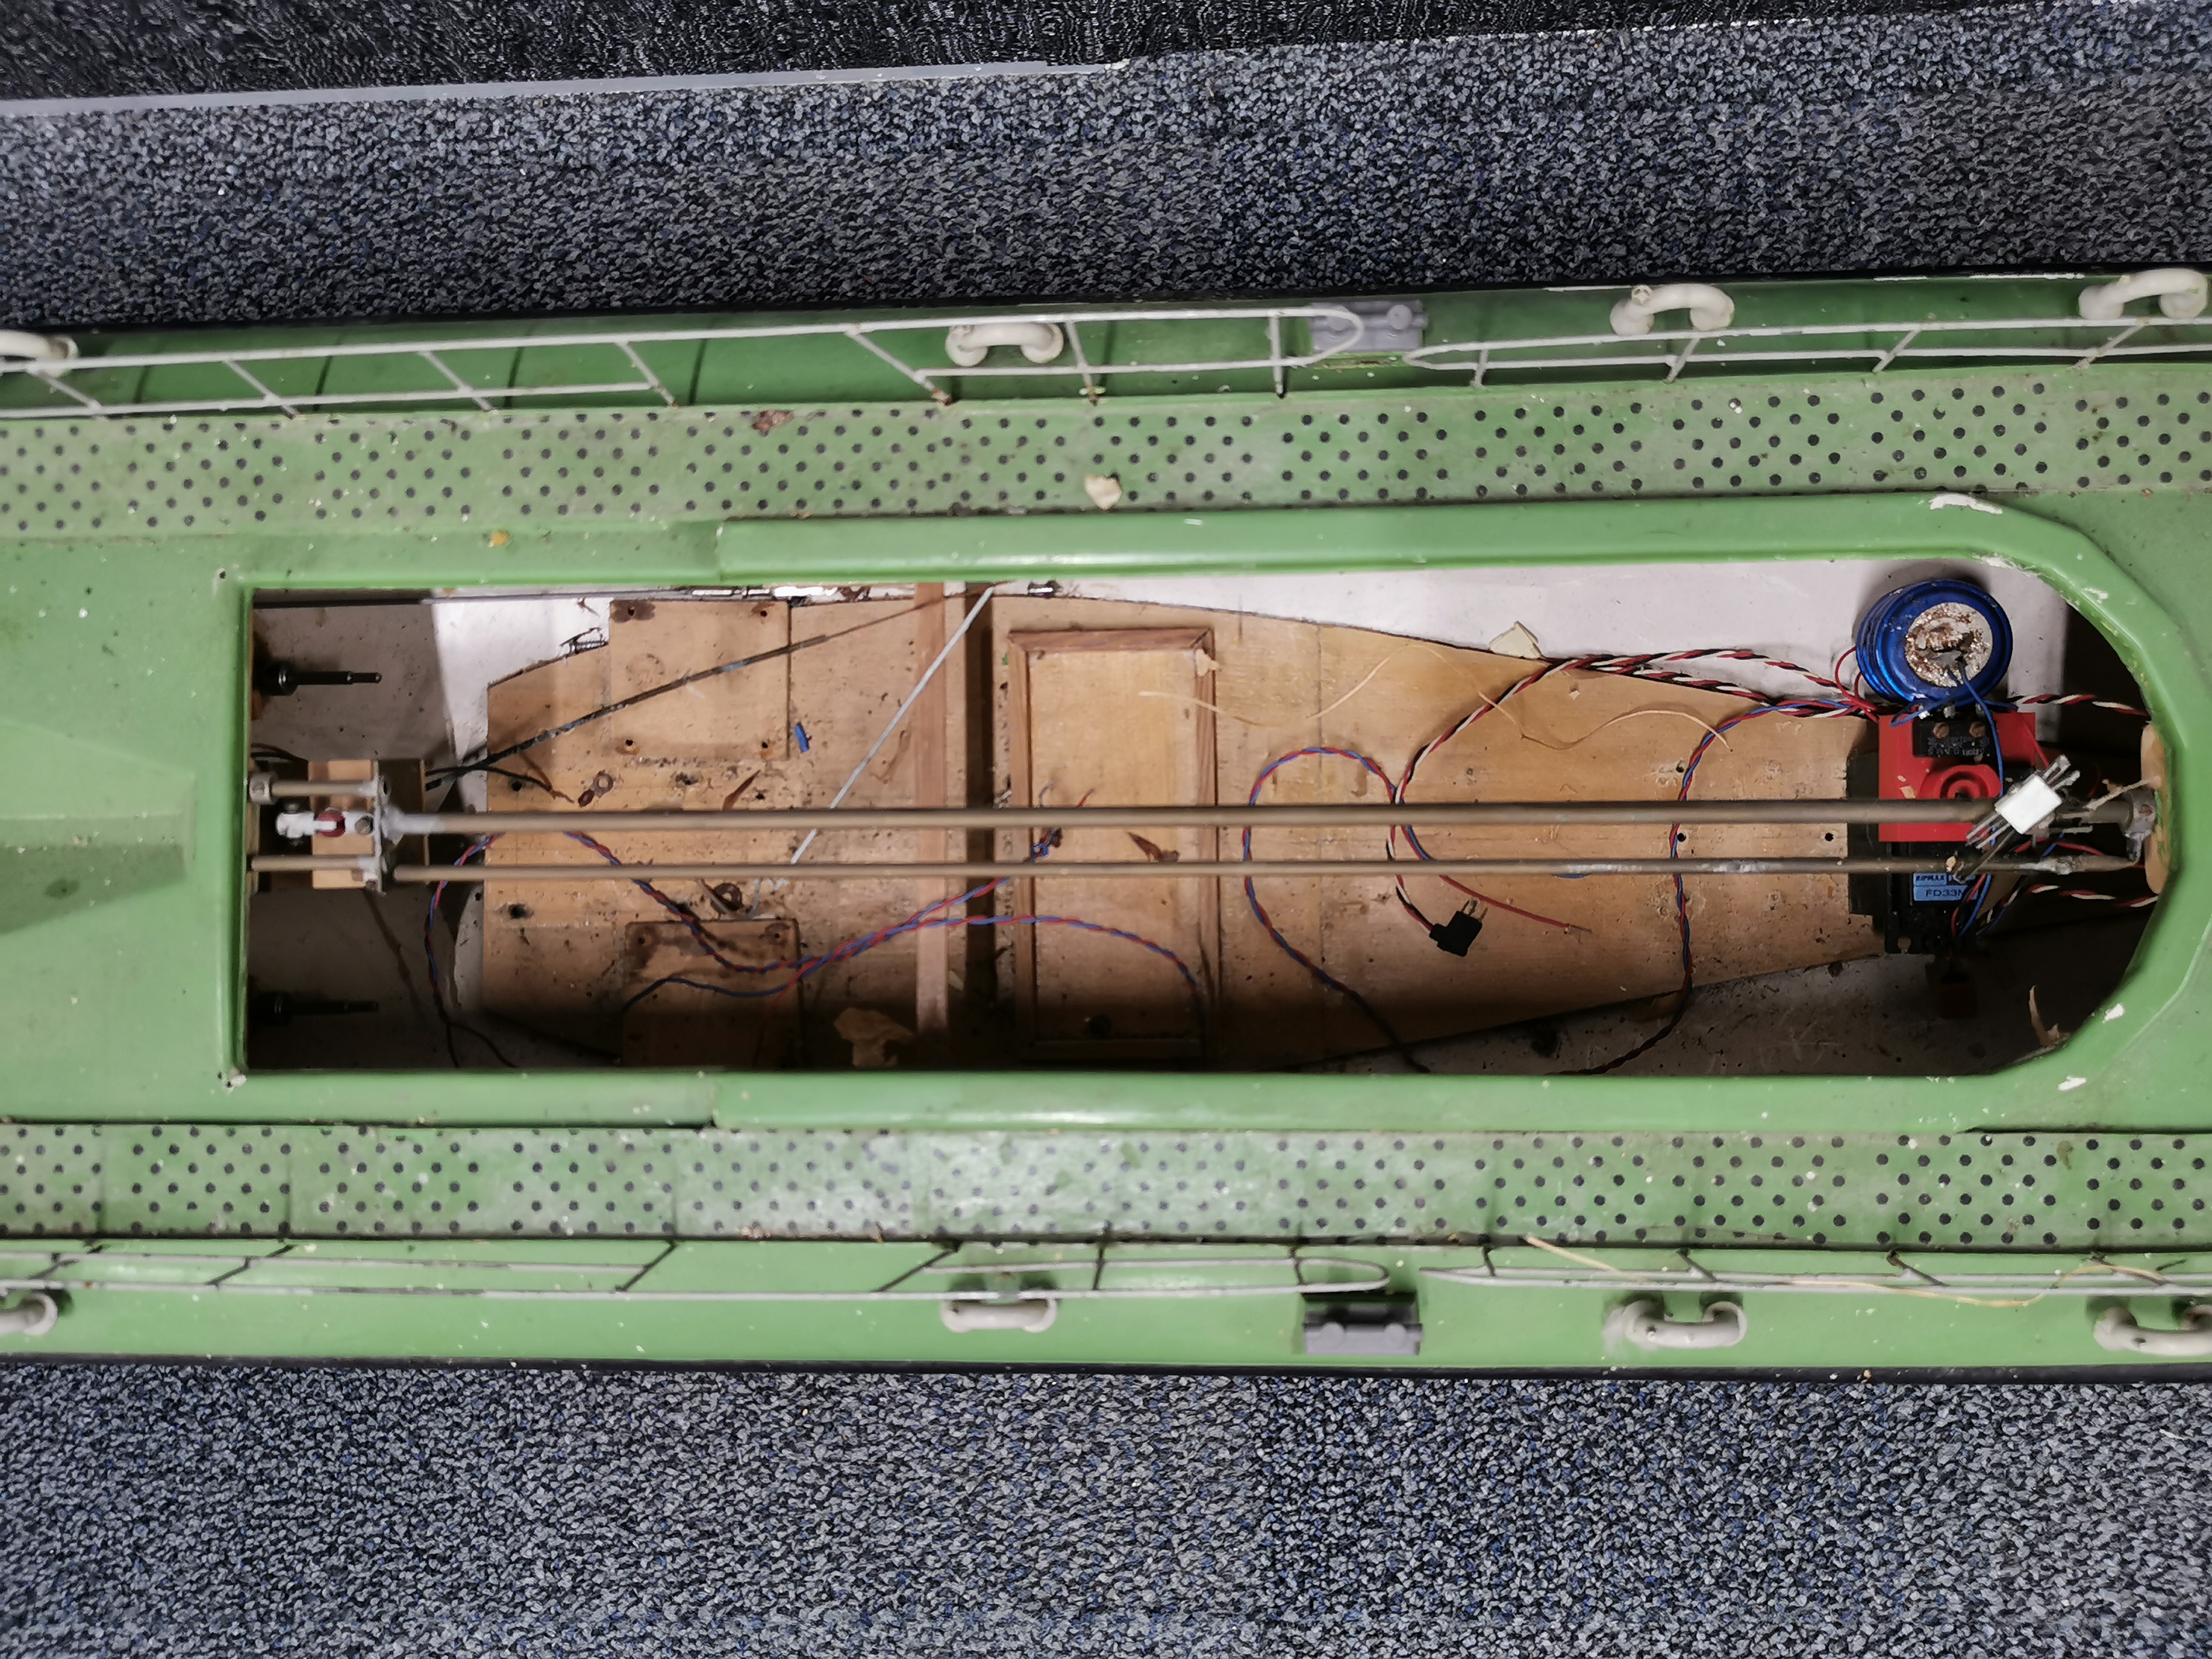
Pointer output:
1141, 869
1426, 815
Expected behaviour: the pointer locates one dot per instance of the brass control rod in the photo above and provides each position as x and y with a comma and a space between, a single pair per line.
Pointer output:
1301, 816
1144, 869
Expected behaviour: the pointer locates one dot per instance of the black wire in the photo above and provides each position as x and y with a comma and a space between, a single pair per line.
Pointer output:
491, 771
438, 997
481, 1037
399, 959
491, 760
1681, 1007
407, 978
680, 979
452, 1048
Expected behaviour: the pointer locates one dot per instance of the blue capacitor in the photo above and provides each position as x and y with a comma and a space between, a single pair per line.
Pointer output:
1934, 643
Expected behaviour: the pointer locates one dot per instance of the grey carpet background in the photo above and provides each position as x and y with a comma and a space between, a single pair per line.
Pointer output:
2068, 135
172, 1512
71, 48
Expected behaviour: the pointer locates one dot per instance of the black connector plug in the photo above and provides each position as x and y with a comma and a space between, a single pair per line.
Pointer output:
1458, 932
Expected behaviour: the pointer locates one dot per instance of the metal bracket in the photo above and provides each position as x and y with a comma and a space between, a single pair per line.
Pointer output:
2180, 294
1383, 325
34, 1315
2143, 819
2117, 1332
1710, 310
1032, 1314
968, 343
37, 350
1383, 1329
1645, 1324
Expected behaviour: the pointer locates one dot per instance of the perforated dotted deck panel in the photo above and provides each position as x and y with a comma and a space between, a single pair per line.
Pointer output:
1998, 433
486, 1183
195, 1179
2046, 1191
50, 1179
1941, 1192
822, 1185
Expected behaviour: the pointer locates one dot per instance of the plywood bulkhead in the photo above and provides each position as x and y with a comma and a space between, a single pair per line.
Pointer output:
1167, 704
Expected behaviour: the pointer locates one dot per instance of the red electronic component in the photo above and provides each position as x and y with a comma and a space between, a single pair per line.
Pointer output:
1945, 757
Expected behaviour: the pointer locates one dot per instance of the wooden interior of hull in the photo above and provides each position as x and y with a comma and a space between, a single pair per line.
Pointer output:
1110, 703
1054, 701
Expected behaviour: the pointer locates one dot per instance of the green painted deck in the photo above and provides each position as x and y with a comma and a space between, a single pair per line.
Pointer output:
134, 545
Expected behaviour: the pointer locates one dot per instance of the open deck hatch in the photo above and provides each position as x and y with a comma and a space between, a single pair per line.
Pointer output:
398, 922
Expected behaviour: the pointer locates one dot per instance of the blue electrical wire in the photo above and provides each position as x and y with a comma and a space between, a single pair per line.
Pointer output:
1962, 932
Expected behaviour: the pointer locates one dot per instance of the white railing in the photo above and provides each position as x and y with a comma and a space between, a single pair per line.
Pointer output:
468, 371
1877, 345
1925, 1275
66, 371
297, 1267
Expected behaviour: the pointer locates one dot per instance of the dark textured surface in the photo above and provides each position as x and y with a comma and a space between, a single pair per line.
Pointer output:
179, 1512
2068, 134
73, 48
